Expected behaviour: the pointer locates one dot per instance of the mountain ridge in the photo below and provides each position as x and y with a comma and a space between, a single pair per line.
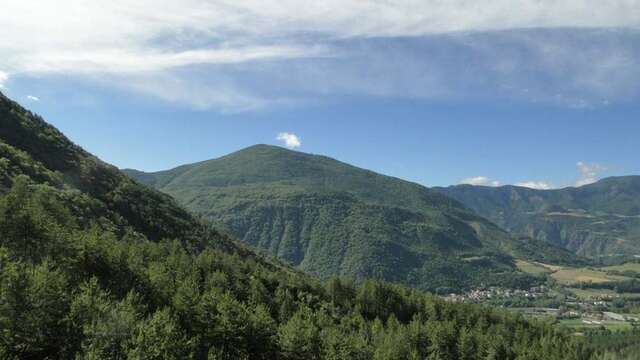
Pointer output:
331, 218
32, 147
599, 219
293, 158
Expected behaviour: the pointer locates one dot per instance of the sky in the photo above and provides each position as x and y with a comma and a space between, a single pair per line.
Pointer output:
539, 93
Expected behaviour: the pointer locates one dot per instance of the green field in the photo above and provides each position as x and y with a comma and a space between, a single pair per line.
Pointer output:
568, 276
532, 268
630, 266
589, 294
579, 324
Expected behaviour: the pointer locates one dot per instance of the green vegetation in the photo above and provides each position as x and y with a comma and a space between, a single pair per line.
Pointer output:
532, 268
94, 266
580, 326
31, 147
332, 219
600, 220
68, 291
592, 294
629, 266
569, 276
614, 345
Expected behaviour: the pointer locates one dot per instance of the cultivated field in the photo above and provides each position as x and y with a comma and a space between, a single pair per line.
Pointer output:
532, 268
584, 275
630, 266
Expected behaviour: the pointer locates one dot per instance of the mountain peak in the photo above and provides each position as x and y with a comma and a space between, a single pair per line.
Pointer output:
332, 218
264, 151
268, 165
262, 147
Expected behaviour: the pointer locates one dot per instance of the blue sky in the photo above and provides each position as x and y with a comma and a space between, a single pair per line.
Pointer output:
545, 94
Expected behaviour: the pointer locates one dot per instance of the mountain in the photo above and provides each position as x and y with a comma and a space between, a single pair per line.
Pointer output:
31, 147
330, 218
597, 220
95, 266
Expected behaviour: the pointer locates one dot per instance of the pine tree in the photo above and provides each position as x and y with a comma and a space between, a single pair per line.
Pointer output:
159, 337
299, 338
467, 349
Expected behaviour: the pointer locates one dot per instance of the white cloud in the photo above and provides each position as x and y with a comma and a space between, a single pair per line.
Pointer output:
486, 181
480, 181
33, 98
146, 39
3, 78
290, 140
196, 93
93, 25
588, 173
118, 61
540, 185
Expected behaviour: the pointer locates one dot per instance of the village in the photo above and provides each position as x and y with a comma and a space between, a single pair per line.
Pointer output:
560, 306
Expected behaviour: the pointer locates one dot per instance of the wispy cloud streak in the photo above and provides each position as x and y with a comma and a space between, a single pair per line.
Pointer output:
404, 48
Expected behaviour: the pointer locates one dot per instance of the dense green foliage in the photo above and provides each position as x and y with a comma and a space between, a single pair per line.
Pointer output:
621, 287
69, 291
34, 148
600, 219
330, 218
614, 345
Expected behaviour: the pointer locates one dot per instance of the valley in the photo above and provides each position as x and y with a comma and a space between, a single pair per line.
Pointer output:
587, 299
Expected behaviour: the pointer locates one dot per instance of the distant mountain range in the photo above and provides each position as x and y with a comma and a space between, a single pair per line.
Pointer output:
330, 218
597, 220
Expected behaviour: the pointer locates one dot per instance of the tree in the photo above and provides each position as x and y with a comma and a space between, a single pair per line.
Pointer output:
34, 302
442, 341
467, 349
159, 337
261, 333
340, 292
395, 343
299, 338
108, 326
33, 222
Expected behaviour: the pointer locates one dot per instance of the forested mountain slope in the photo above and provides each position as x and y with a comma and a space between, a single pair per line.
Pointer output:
330, 218
98, 191
85, 274
598, 220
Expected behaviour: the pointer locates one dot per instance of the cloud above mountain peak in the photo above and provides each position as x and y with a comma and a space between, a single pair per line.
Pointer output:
290, 140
